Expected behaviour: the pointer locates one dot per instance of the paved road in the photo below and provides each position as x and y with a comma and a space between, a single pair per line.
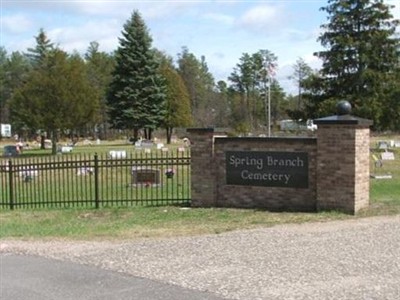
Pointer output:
36, 278
355, 259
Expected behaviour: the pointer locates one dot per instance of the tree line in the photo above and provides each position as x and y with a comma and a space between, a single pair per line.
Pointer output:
141, 89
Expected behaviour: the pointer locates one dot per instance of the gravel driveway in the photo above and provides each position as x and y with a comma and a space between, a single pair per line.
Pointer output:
353, 259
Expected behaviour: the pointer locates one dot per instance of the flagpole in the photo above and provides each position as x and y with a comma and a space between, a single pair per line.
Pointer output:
269, 106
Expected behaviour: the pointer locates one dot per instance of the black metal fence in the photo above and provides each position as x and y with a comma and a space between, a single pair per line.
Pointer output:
114, 179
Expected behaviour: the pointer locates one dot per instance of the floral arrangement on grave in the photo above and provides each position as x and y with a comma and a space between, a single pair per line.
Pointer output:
170, 173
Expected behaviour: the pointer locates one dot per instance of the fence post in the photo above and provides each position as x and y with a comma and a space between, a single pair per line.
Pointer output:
96, 181
11, 181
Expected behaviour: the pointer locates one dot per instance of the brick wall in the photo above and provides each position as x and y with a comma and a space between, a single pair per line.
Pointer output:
338, 169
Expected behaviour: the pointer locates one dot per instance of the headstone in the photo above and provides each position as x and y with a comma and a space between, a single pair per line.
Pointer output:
181, 149
11, 150
87, 143
28, 171
387, 155
145, 176
147, 144
66, 149
147, 150
160, 146
85, 171
397, 144
382, 145
117, 154
47, 144
186, 142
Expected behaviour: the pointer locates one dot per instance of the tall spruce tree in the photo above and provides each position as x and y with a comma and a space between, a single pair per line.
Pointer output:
43, 47
136, 97
38, 56
361, 54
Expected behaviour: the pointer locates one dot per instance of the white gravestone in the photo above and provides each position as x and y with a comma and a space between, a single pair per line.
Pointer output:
387, 155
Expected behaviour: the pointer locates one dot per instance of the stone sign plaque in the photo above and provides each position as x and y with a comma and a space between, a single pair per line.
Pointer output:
269, 169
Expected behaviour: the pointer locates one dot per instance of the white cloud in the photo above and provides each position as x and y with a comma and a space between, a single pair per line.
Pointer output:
262, 18
220, 18
17, 23
106, 33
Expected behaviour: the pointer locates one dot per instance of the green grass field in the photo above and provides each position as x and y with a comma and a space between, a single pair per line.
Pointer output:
385, 193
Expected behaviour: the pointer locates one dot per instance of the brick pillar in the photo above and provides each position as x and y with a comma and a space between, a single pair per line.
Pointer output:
343, 161
202, 167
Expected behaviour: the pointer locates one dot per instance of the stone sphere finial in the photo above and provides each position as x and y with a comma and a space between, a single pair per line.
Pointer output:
343, 108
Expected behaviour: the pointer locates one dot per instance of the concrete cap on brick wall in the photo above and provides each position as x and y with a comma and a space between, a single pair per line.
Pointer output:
343, 117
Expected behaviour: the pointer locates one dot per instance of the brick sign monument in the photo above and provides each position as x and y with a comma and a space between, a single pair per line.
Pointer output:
329, 172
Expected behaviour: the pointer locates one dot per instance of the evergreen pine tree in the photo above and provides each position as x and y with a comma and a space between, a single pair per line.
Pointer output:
177, 100
43, 47
136, 97
99, 67
56, 97
200, 85
361, 55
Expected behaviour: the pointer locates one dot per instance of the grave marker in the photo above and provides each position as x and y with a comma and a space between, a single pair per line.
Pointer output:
387, 155
117, 154
382, 145
145, 176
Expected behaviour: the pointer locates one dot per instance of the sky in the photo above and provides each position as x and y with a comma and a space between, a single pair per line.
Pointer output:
219, 30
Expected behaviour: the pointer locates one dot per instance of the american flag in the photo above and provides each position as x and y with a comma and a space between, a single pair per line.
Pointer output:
271, 68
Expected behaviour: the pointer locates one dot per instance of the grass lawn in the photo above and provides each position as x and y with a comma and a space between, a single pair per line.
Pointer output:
139, 222
385, 193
